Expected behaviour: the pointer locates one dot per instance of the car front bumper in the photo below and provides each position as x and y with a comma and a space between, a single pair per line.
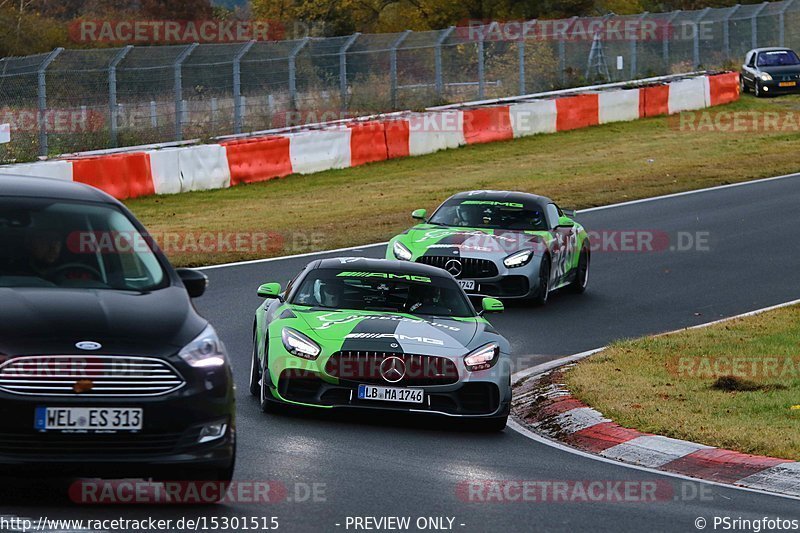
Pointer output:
167, 445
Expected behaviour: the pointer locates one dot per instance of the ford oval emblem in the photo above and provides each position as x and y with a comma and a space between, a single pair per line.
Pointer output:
88, 345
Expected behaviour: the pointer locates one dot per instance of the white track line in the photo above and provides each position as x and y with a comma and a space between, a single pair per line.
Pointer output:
588, 210
550, 365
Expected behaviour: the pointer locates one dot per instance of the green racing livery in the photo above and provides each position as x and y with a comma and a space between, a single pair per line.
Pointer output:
377, 334
500, 244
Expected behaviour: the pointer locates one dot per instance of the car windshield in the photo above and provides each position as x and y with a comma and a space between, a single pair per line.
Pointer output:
778, 58
55, 243
381, 291
490, 214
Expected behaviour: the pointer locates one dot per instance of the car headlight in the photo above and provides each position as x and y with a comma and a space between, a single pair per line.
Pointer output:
765, 76
518, 259
482, 358
401, 252
205, 351
298, 344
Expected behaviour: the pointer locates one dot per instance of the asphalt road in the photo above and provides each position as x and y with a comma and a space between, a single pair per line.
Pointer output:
379, 466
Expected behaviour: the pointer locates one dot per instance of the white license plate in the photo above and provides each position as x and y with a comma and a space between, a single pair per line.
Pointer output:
467, 284
390, 394
88, 419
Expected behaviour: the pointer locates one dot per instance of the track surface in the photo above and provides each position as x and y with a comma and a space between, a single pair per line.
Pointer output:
377, 466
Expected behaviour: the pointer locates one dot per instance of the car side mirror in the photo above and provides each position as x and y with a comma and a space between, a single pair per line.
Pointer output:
194, 281
270, 290
419, 214
564, 225
492, 305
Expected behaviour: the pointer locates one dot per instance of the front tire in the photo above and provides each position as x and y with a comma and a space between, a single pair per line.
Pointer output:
268, 404
757, 90
543, 290
582, 273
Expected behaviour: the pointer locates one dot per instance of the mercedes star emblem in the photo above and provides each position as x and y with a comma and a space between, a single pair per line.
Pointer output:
454, 267
393, 369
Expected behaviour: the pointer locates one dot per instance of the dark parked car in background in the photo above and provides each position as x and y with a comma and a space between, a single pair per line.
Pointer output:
106, 369
769, 71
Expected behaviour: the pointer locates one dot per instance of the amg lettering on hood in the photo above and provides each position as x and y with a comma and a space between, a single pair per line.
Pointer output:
331, 319
395, 336
384, 275
491, 202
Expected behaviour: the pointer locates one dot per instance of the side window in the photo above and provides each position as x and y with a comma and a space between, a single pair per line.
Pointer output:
552, 211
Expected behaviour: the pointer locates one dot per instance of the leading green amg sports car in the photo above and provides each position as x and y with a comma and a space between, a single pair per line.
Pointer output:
501, 244
371, 333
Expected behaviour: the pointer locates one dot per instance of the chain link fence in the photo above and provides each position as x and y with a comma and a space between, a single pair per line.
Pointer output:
75, 100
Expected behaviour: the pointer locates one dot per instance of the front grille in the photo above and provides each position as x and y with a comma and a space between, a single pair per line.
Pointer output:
89, 376
471, 267
365, 367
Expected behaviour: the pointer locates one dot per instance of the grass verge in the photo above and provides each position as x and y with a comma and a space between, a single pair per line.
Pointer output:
578, 169
735, 385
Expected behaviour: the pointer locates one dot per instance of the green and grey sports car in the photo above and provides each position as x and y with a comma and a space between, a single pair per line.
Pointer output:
371, 333
501, 244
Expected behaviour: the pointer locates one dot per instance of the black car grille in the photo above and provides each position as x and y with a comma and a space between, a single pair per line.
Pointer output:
88, 376
471, 267
365, 367
789, 77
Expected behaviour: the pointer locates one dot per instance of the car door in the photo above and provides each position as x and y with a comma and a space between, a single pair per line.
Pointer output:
749, 69
563, 247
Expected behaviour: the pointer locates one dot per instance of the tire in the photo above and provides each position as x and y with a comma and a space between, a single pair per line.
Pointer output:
544, 282
255, 373
491, 425
742, 85
756, 90
582, 273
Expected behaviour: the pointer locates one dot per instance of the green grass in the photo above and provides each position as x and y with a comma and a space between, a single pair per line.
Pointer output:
578, 169
735, 385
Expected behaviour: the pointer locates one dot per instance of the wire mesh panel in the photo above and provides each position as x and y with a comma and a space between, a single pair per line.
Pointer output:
71, 100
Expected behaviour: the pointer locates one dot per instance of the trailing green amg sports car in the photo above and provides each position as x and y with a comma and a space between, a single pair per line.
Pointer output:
501, 244
371, 333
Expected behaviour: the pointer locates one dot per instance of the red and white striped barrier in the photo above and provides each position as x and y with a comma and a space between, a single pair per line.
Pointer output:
229, 163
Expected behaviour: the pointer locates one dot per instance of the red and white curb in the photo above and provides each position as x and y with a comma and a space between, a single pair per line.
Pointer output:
544, 405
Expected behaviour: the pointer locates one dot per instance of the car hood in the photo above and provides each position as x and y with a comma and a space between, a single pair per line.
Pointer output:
788, 69
392, 332
428, 239
51, 321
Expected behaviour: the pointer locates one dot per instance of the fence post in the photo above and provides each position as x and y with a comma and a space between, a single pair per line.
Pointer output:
343, 69
293, 72
437, 60
635, 46
696, 40
562, 52
41, 91
521, 58
726, 30
782, 22
237, 86
754, 24
665, 39
481, 66
393, 66
112, 93
179, 90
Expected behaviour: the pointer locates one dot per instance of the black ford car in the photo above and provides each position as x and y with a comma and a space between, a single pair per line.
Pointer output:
106, 369
769, 71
